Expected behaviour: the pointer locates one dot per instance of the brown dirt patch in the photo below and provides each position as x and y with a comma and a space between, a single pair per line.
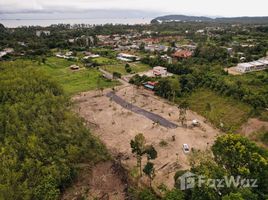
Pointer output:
253, 125
116, 126
100, 182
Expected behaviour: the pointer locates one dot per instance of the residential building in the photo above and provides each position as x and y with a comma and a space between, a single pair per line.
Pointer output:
150, 85
167, 58
160, 71
182, 54
258, 65
40, 32
127, 57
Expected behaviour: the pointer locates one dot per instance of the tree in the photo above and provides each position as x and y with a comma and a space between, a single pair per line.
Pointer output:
233, 196
116, 75
174, 194
128, 68
138, 147
241, 157
41, 140
151, 153
149, 171
182, 112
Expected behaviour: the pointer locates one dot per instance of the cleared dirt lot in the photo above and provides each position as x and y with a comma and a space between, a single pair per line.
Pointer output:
100, 182
116, 126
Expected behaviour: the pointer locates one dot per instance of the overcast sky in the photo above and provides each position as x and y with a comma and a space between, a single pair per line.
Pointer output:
193, 7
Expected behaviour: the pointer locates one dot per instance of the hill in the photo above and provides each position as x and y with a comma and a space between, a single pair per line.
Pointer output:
177, 18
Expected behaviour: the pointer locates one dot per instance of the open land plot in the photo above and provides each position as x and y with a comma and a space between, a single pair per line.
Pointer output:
120, 68
72, 81
230, 112
105, 61
116, 126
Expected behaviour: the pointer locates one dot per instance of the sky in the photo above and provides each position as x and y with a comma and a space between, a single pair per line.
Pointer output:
225, 8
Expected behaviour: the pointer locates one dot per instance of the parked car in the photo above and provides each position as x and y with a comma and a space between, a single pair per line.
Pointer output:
186, 148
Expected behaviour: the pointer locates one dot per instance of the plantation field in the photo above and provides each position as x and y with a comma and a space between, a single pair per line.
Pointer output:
120, 68
231, 113
72, 82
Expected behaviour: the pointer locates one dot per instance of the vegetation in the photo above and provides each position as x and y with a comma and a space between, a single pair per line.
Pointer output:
226, 113
121, 68
139, 148
41, 141
231, 155
72, 81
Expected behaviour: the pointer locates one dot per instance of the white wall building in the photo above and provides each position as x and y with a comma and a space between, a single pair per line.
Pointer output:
127, 57
258, 65
39, 33
160, 71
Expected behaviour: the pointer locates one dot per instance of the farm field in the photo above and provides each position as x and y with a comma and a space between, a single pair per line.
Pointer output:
72, 82
231, 113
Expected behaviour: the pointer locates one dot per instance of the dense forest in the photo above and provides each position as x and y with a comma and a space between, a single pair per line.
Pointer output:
41, 140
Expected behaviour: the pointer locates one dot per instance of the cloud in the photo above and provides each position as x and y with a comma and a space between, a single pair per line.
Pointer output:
195, 7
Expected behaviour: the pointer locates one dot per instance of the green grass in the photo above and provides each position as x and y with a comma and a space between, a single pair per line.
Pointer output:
105, 61
120, 68
261, 137
73, 82
228, 111
253, 81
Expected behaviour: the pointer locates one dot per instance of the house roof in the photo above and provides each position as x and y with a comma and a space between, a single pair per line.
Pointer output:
182, 54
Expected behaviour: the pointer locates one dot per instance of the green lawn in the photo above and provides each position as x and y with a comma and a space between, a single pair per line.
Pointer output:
72, 82
228, 111
120, 68
105, 61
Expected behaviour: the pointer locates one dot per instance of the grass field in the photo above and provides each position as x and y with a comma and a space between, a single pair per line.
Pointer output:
256, 82
72, 82
120, 68
105, 61
231, 113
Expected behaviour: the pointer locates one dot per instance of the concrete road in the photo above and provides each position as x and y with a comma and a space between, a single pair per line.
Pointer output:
154, 117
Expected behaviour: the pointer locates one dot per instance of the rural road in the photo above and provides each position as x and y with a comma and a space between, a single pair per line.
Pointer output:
154, 117
110, 76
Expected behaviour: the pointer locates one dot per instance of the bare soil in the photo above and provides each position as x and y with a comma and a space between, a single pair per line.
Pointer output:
116, 126
253, 125
232, 71
100, 182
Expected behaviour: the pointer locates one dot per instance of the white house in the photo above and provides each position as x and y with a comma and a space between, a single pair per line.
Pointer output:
127, 57
39, 33
160, 71
258, 65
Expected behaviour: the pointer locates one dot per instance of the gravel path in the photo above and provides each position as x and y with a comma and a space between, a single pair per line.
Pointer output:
154, 117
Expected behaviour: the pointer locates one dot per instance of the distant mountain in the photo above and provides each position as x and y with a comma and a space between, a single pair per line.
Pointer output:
172, 18
2, 28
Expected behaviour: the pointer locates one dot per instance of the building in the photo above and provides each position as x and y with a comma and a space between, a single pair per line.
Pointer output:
153, 48
127, 57
160, 71
6, 51
39, 33
166, 58
150, 85
182, 54
90, 55
258, 65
